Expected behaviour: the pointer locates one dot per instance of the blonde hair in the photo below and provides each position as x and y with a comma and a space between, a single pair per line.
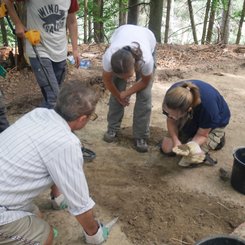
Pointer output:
125, 59
182, 97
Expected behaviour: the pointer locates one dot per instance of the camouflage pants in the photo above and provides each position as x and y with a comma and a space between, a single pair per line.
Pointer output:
215, 141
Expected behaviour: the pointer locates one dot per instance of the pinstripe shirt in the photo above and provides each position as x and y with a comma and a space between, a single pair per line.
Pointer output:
37, 151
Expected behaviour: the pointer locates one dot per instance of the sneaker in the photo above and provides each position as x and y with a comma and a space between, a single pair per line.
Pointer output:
110, 136
141, 145
59, 202
88, 155
221, 144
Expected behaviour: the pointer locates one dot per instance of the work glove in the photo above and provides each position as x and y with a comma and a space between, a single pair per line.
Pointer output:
100, 236
192, 160
182, 150
191, 148
191, 152
59, 202
102, 233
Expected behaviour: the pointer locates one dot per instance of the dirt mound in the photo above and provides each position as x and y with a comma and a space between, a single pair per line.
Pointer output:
157, 202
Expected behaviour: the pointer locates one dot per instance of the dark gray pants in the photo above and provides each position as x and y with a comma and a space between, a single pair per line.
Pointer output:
142, 110
3, 119
56, 73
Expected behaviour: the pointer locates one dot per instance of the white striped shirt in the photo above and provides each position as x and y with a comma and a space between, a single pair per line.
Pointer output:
37, 151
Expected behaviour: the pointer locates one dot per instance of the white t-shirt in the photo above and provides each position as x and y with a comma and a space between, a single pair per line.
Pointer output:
37, 151
125, 35
48, 17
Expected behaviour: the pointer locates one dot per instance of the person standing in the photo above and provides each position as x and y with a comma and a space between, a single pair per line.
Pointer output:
39, 151
3, 119
50, 18
197, 115
131, 52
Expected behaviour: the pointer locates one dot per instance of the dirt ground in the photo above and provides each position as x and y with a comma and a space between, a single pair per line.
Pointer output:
157, 201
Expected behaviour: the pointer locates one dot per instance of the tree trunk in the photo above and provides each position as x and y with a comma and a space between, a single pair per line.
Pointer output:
4, 32
122, 12
169, 3
133, 11
205, 21
98, 23
193, 26
21, 61
211, 21
225, 25
239, 33
155, 21
85, 22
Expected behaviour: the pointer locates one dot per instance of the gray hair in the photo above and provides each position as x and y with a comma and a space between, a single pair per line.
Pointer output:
75, 99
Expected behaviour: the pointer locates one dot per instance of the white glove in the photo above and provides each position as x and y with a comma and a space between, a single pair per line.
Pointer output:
59, 202
191, 160
182, 150
187, 149
194, 148
196, 155
100, 236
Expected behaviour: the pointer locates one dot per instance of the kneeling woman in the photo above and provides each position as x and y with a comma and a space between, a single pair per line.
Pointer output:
197, 115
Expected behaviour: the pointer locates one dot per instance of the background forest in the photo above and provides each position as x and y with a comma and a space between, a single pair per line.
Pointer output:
172, 21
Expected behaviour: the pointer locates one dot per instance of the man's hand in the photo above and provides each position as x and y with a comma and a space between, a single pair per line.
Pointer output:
100, 236
20, 30
76, 58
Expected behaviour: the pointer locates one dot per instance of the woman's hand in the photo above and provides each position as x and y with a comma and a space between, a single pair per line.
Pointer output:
123, 95
124, 98
124, 102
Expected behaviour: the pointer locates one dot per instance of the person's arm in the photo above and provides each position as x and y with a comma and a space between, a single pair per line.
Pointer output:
19, 27
173, 131
201, 135
88, 222
95, 233
140, 85
73, 33
107, 78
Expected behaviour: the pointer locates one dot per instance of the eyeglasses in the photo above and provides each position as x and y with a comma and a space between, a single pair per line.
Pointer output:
93, 116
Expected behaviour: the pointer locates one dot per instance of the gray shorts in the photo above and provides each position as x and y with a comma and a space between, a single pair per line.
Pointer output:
29, 230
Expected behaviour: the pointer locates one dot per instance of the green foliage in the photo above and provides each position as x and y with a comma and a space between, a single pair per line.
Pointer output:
110, 14
10, 35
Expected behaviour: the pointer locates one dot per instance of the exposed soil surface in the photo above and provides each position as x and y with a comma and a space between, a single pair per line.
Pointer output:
157, 201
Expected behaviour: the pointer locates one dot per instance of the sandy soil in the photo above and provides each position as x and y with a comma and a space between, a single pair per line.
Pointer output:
157, 201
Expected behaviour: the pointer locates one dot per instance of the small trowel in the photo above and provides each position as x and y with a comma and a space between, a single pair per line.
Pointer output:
111, 223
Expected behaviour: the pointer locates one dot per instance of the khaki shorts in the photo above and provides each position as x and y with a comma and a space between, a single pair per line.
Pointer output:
29, 230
